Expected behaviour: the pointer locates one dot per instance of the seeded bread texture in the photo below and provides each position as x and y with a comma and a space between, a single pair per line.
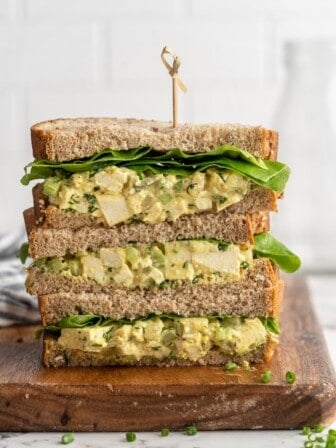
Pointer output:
237, 228
54, 355
257, 200
75, 138
201, 301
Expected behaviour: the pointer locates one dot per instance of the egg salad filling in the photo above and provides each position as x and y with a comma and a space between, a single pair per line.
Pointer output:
195, 261
118, 194
167, 336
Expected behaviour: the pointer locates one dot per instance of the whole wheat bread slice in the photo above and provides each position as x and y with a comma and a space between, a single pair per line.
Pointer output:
253, 301
55, 355
75, 138
257, 200
236, 228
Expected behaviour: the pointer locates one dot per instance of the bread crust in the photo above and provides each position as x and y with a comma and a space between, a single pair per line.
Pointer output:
75, 138
54, 355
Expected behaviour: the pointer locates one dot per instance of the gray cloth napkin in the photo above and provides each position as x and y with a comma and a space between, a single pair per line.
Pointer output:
16, 306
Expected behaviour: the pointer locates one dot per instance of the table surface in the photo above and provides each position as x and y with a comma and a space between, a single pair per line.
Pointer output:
322, 290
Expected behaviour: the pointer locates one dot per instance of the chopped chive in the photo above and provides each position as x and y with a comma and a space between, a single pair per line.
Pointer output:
231, 366
185, 264
320, 439
290, 377
266, 377
308, 444
178, 187
191, 430
164, 432
196, 279
190, 187
67, 438
222, 246
305, 431
130, 436
244, 264
318, 428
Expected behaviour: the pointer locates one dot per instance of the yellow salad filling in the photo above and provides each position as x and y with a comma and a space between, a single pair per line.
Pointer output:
194, 261
158, 337
119, 195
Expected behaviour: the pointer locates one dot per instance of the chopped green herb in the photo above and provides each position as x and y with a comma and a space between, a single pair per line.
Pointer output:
96, 188
308, 444
196, 279
244, 264
290, 377
69, 210
320, 439
190, 187
130, 436
231, 366
157, 347
223, 246
185, 264
107, 335
318, 428
179, 186
23, 252
74, 199
164, 284
305, 431
164, 432
266, 377
220, 199
67, 438
191, 430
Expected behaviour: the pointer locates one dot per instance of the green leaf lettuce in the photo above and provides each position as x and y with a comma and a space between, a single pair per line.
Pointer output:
265, 245
266, 173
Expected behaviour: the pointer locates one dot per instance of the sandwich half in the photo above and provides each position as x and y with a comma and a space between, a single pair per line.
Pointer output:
150, 244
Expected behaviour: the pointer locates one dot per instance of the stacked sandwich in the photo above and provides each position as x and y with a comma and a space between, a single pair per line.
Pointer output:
150, 244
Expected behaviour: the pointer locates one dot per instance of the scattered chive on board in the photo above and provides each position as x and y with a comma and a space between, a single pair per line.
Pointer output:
164, 432
266, 377
67, 438
130, 436
191, 430
231, 366
290, 377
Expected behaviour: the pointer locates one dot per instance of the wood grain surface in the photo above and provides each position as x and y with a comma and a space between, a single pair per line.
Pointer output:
34, 398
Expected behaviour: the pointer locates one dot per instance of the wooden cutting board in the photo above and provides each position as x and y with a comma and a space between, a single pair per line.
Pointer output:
33, 398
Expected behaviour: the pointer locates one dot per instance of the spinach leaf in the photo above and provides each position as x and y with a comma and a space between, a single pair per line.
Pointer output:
265, 245
267, 173
23, 252
271, 324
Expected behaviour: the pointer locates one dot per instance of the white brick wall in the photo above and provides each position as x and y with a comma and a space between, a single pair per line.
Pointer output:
102, 57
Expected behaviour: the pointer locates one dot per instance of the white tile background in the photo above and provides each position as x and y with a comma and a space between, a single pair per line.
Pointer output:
102, 57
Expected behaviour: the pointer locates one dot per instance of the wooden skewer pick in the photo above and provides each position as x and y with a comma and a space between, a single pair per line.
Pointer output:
177, 82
